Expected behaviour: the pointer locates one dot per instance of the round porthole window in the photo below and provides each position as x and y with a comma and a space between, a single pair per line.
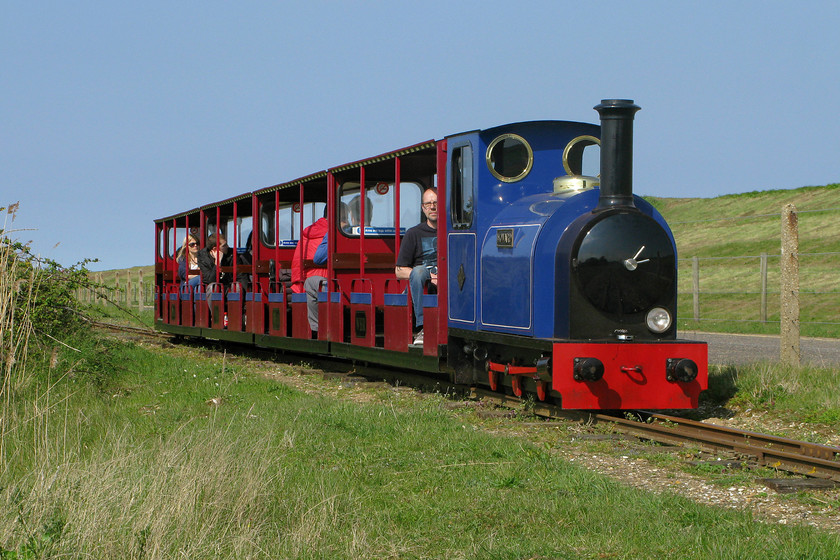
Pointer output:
510, 158
582, 156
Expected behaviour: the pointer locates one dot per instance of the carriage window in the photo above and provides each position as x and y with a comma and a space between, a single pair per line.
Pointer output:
267, 224
243, 232
311, 212
461, 201
227, 230
582, 156
510, 158
288, 222
380, 206
167, 242
284, 222
175, 237
211, 228
194, 227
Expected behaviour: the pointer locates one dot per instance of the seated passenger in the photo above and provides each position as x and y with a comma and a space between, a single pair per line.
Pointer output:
188, 261
207, 258
246, 260
417, 260
321, 253
309, 279
354, 213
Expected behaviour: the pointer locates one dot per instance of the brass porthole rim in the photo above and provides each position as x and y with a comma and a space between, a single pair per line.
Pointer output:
528, 166
572, 143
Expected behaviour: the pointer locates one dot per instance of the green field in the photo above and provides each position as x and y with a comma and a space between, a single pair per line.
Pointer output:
729, 233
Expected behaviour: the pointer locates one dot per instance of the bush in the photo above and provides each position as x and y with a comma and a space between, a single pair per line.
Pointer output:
37, 292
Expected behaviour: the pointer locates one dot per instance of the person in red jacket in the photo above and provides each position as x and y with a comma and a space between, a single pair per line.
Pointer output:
309, 279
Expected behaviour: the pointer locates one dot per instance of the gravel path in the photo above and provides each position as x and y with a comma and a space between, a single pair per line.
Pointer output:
737, 349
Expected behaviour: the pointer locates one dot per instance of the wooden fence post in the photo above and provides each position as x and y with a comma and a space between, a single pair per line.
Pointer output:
789, 319
695, 274
141, 295
763, 287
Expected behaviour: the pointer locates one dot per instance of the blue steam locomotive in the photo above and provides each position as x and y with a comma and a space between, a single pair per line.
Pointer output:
553, 278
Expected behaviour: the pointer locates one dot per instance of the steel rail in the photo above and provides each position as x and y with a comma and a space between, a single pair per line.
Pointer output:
809, 459
150, 333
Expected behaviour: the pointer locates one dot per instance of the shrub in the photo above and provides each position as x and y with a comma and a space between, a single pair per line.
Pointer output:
36, 291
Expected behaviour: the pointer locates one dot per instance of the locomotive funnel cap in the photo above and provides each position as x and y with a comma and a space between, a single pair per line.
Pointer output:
616, 152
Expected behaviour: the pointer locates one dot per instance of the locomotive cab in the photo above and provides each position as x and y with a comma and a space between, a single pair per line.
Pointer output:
501, 191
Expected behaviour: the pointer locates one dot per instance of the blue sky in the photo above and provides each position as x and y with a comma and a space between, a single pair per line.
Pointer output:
116, 113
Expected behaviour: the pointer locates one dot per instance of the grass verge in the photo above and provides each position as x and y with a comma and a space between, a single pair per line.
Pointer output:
804, 398
187, 456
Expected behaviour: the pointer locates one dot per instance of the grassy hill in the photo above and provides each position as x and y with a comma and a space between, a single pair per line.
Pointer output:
750, 223
729, 233
109, 277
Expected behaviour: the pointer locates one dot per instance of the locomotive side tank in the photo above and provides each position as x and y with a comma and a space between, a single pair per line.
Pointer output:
577, 285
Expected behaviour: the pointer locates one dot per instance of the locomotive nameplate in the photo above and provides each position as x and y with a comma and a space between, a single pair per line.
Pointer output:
504, 238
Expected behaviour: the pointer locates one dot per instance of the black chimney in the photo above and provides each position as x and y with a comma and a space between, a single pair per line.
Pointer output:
616, 152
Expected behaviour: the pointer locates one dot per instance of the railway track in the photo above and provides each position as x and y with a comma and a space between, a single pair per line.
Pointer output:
799, 457
142, 331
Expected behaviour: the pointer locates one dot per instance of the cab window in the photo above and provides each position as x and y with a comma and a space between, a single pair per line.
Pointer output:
462, 194
582, 156
510, 158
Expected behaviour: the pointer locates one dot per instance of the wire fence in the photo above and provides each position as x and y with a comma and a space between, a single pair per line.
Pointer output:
751, 295
122, 290
752, 292
748, 289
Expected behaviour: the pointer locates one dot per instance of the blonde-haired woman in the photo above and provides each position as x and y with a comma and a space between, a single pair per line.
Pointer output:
188, 262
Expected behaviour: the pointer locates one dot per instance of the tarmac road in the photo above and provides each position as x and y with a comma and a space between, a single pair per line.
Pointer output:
738, 349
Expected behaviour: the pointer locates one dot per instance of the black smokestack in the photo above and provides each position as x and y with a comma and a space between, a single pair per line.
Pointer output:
616, 152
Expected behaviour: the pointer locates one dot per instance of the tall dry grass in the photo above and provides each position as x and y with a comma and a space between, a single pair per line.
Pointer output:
196, 494
16, 296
